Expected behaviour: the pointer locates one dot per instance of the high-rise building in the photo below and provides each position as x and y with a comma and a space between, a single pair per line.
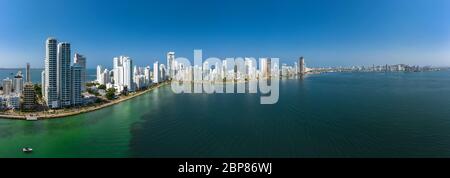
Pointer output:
147, 75
224, 69
18, 83
43, 91
7, 86
170, 64
302, 68
76, 85
156, 78
51, 73
28, 73
64, 74
162, 72
103, 78
123, 75
265, 67
80, 60
99, 72
29, 96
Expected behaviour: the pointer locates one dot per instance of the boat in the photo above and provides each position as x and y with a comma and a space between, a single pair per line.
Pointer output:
27, 150
31, 117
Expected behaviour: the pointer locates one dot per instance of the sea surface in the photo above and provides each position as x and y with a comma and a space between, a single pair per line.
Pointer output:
36, 74
323, 115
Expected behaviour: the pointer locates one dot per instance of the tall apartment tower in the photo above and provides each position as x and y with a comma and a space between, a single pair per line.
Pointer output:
76, 85
265, 67
43, 91
301, 66
80, 60
170, 64
156, 72
51, 73
99, 72
128, 74
18, 83
64, 74
7, 86
28, 74
29, 96
123, 75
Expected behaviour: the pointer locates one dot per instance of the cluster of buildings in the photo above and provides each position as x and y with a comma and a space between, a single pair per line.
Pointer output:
378, 68
126, 77
236, 70
62, 81
18, 93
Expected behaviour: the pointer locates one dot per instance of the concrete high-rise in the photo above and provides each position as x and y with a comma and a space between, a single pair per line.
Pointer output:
156, 78
29, 96
43, 91
51, 73
99, 72
170, 65
123, 75
301, 66
7, 86
80, 60
28, 73
18, 83
64, 74
76, 85
266, 67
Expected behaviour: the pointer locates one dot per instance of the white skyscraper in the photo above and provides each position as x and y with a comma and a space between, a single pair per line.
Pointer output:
7, 86
64, 74
51, 73
99, 72
123, 71
43, 84
18, 83
156, 78
147, 75
162, 72
170, 64
80, 60
104, 77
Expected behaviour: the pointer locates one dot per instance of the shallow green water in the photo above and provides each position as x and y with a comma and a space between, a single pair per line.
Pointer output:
326, 115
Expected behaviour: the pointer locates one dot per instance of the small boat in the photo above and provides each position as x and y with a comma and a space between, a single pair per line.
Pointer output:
27, 150
31, 118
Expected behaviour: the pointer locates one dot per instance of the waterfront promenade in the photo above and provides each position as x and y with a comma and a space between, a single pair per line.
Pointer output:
75, 111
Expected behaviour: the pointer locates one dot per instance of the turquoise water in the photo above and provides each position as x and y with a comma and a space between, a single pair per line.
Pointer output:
325, 115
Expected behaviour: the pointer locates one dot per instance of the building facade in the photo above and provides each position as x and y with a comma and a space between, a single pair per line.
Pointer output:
64, 74
29, 96
80, 60
51, 73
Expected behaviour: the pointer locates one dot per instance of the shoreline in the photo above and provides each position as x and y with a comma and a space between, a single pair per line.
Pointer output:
78, 111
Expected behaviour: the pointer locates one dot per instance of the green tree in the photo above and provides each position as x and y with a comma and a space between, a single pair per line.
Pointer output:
110, 93
102, 87
91, 84
38, 90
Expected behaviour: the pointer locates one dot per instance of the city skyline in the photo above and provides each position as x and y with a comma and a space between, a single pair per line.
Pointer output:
329, 33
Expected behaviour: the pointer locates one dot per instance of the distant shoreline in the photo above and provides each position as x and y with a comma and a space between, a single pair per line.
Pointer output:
78, 111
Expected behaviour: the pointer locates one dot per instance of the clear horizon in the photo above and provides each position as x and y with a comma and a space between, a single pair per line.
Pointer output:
325, 32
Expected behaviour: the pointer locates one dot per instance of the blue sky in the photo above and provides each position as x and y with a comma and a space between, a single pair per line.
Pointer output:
326, 32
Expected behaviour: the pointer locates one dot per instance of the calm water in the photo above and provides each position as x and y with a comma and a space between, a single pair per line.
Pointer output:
36, 74
326, 115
